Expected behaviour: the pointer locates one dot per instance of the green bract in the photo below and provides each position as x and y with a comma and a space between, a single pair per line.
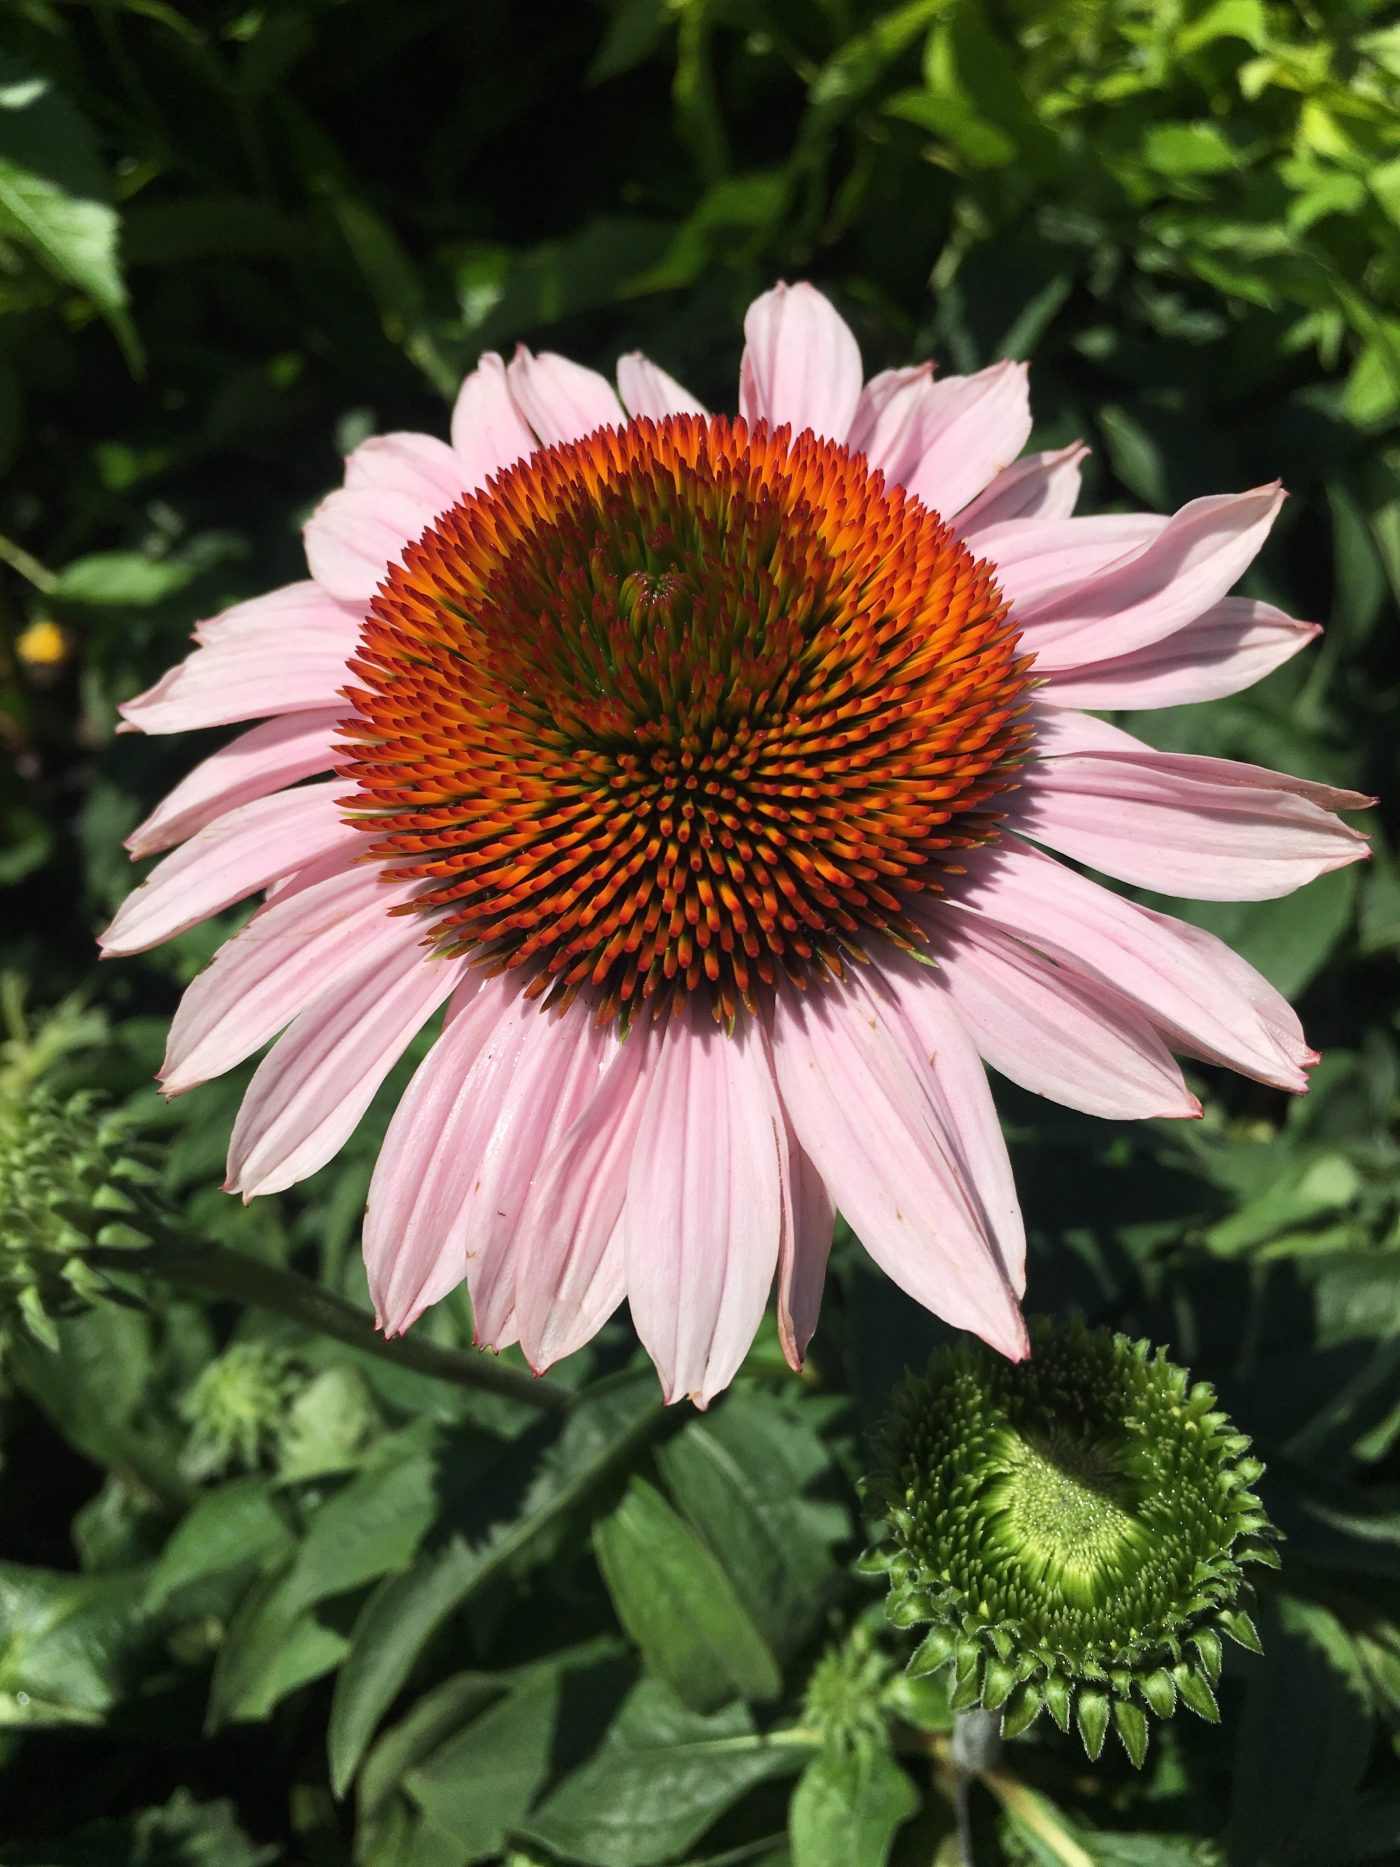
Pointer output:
69, 1201
1074, 1526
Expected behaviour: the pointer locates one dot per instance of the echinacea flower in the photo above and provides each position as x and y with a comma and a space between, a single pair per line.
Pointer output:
703, 769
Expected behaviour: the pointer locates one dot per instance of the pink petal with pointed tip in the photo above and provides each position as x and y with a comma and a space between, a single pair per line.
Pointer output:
1038, 486
704, 1205
355, 536
488, 431
571, 1269
646, 389
855, 1089
1201, 551
417, 466
310, 1091
288, 954
279, 654
231, 858
801, 364
415, 1245
967, 1113
1208, 829
561, 400
1234, 644
1053, 1031
973, 428
804, 1247
1202, 996
557, 1069
277, 753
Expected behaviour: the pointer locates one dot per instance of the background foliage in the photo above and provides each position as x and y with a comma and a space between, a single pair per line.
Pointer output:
265, 1599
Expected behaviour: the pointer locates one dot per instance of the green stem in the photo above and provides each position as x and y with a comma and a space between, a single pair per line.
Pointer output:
28, 567
217, 1271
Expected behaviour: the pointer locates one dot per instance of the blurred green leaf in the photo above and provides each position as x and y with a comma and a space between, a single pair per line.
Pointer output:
847, 1810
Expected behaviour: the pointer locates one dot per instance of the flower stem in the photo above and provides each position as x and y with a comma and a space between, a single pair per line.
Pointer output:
28, 566
217, 1271
975, 1747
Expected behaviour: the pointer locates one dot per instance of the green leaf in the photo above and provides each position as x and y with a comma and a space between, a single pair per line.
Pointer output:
375, 1524
66, 1643
680, 1607
846, 1810
661, 1777
274, 1646
481, 1782
121, 578
236, 1525
54, 196
1303, 1742
510, 1517
737, 1475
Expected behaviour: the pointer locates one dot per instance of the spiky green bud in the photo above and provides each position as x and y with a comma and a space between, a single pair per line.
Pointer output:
239, 1407
1075, 1527
71, 1202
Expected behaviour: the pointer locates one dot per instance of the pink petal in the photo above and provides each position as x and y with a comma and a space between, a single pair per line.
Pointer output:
801, 365
973, 428
282, 616
1206, 828
888, 425
1200, 994
311, 1089
561, 400
704, 1205
285, 957
414, 1242
417, 466
231, 858
803, 1249
967, 1114
281, 653
571, 1269
556, 1072
1036, 556
1200, 553
646, 389
856, 1090
1234, 644
488, 430
1054, 1032
1038, 486
278, 753
354, 537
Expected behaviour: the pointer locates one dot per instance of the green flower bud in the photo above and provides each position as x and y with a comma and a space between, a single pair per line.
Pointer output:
844, 1697
239, 1407
71, 1202
1074, 1527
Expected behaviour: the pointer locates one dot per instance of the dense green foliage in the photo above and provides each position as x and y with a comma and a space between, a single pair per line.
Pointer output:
265, 1598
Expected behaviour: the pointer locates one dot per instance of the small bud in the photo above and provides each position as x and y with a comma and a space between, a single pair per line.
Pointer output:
1073, 1527
65, 1170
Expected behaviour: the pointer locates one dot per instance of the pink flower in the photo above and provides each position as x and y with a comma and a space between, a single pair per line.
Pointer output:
705, 774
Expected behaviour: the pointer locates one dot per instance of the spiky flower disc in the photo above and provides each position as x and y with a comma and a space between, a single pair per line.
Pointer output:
1075, 1527
683, 707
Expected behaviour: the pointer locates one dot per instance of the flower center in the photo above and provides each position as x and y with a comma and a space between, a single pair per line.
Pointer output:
682, 708
1062, 1508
